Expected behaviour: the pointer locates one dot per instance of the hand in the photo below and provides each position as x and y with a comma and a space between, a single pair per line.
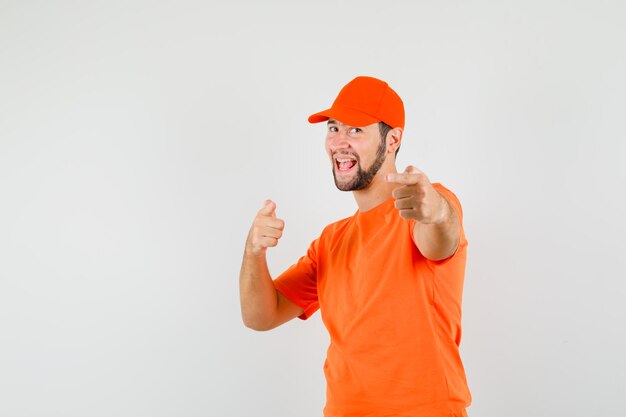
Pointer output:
416, 198
265, 231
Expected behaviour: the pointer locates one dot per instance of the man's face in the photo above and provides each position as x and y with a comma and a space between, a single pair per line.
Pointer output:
357, 153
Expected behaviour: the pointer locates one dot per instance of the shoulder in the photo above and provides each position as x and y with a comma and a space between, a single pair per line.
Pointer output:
338, 225
335, 228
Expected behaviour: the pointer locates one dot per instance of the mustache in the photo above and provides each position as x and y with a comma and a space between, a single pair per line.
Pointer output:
346, 153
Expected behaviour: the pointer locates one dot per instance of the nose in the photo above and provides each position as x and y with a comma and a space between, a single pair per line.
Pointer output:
339, 141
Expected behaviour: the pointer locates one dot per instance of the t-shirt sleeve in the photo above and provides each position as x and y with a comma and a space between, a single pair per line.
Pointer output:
456, 206
299, 282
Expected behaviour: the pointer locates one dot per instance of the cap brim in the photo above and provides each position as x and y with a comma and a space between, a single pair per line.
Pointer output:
346, 116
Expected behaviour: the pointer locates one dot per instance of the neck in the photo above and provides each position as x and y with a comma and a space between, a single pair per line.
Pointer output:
378, 191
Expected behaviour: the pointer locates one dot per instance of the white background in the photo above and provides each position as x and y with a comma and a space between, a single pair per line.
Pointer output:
138, 140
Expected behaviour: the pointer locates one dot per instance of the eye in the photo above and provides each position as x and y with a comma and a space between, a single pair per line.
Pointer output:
332, 128
354, 130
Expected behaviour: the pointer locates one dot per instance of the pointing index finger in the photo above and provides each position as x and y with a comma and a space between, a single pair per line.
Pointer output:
403, 178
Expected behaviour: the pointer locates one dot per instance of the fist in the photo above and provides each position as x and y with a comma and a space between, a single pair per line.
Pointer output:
416, 198
265, 231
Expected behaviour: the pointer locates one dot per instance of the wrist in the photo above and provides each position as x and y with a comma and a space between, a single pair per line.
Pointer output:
445, 211
254, 252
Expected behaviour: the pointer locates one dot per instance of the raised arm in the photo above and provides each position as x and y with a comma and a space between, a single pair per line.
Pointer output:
262, 307
436, 231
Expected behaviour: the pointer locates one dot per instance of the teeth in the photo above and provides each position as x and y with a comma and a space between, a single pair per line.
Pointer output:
344, 160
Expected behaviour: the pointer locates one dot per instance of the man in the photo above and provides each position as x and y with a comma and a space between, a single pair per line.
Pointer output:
388, 280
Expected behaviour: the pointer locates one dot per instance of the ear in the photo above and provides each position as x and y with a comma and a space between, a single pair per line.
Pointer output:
394, 139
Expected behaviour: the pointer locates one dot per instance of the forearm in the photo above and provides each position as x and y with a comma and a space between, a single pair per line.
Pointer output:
439, 240
257, 292
259, 300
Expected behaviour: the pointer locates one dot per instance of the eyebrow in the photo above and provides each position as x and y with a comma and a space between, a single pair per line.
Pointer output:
331, 121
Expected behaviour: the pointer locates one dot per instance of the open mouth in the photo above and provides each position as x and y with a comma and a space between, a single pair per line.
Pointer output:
345, 164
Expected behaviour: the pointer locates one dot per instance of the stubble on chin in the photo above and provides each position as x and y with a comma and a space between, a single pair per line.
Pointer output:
345, 185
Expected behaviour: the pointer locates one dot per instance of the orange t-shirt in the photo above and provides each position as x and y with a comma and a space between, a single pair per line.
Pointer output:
393, 316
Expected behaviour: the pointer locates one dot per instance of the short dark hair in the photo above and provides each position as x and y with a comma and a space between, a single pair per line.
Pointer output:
384, 128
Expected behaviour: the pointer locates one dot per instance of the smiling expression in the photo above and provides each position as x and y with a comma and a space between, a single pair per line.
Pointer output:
357, 153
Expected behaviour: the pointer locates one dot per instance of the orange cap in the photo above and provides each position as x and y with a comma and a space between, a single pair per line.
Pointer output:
364, 101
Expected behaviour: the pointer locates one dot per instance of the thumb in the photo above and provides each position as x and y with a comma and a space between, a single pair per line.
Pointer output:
269, 209
412, 170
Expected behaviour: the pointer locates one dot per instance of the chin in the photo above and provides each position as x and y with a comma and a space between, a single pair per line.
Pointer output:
344, 187
351, 185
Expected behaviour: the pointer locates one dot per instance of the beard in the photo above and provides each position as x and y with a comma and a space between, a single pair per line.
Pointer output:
363, 178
